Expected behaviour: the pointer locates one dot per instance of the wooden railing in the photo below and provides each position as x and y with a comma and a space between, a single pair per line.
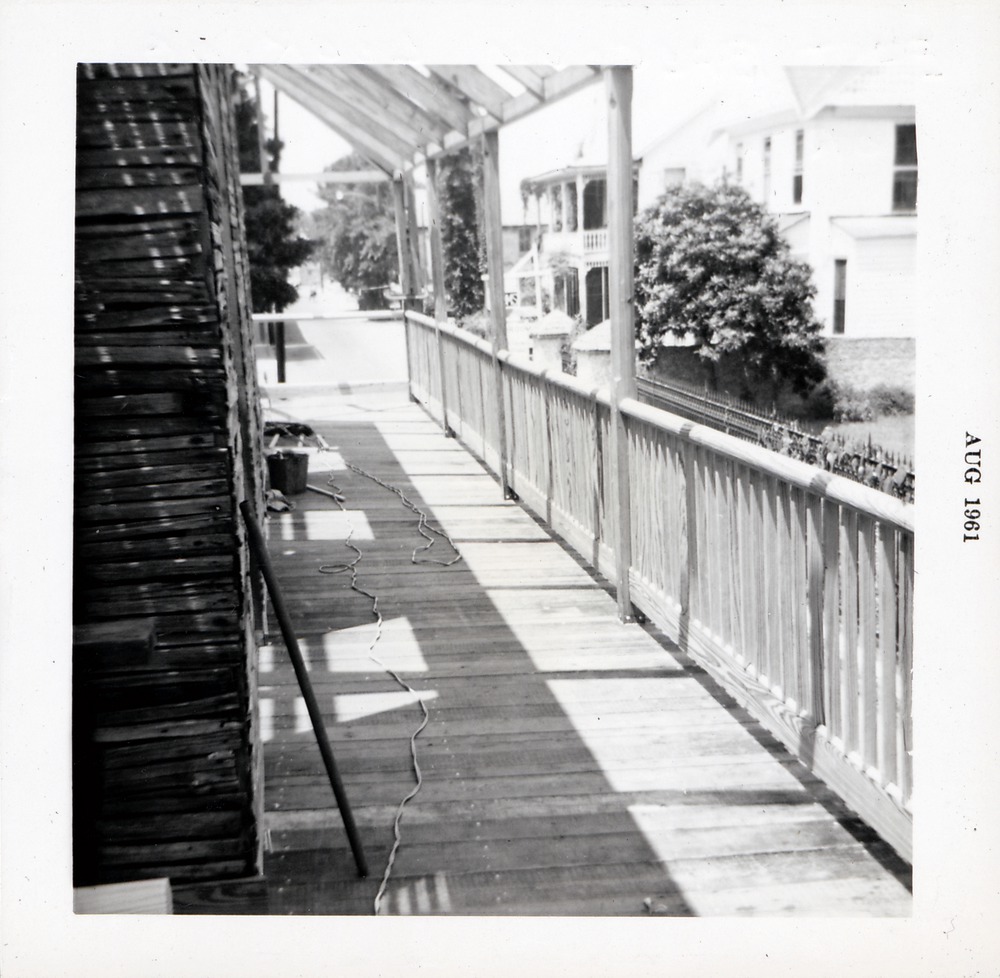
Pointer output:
791, 586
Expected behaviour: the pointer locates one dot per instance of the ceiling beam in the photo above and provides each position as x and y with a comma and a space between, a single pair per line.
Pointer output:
479, 88
327, 176
382, 156
432, 96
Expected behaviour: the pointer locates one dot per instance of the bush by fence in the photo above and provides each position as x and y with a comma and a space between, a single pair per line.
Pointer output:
863, 462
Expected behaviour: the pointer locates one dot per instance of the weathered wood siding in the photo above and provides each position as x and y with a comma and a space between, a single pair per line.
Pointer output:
167, 443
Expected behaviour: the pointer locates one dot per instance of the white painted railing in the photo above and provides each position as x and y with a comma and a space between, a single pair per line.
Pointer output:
595, 240
791, 586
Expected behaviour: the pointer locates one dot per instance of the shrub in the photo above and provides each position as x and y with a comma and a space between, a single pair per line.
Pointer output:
713, 270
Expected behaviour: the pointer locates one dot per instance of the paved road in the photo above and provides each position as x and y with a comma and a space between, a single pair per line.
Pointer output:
355, 351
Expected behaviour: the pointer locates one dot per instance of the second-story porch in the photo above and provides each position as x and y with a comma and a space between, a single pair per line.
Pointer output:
570, 210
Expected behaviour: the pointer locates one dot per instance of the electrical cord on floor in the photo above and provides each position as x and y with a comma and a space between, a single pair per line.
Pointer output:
428, 532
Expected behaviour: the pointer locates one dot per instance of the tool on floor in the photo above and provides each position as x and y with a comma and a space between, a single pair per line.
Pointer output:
259, 549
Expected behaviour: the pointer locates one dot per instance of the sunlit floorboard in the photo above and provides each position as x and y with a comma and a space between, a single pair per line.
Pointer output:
571, 765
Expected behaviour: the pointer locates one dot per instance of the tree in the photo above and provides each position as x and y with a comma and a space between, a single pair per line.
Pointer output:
358, 233
462, 240
273, 244
712, 268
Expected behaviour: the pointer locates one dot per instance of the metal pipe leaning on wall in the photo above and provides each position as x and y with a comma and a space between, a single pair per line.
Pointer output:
259, 548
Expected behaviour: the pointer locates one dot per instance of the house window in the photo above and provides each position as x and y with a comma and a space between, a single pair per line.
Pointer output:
598, 295
904, 178
767, 168
523, 239
594, 212
739, 163
572, 292
571, 217
673, 176
839, 294
797, 173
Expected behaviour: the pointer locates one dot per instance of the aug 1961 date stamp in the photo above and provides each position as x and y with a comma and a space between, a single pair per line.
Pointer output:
973, 476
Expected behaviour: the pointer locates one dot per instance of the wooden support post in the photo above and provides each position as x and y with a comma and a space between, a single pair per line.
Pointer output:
413, 229
279, 347
437, 278
265, 169
618, 92
437, 252
494, 269
402, 236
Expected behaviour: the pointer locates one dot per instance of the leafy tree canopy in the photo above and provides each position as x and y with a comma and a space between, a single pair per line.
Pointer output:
712, 268
273, 244
358, 233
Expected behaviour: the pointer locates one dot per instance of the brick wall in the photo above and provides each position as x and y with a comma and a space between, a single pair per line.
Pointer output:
867, 363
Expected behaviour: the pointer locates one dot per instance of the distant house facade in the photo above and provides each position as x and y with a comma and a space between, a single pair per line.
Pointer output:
568, 265
839, 171
831, 152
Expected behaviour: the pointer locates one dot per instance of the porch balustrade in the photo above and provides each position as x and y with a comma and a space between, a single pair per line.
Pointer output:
791, 586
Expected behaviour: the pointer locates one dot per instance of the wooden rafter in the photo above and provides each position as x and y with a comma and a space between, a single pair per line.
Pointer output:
477, 87
532, 81
382, 156
333, 96
343, 88
558, 85
398, 117
382, 95
379, 82
409, 82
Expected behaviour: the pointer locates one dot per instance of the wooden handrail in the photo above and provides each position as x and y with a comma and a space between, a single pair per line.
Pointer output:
827, 485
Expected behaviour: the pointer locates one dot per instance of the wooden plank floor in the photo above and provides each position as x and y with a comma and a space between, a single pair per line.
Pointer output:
571, 765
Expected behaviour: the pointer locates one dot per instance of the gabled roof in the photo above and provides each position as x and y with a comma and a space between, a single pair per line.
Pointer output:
793, 94
859, 85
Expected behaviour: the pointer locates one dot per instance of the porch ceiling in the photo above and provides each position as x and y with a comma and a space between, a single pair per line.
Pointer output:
398, 116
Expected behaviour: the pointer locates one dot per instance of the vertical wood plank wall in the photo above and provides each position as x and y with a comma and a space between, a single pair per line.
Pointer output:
791, 586
167, 443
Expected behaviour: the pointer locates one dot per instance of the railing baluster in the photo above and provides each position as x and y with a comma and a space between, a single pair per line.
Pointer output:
799, 504
849, 629
886, 669
905, 667
868, 703
831, 618
816, 586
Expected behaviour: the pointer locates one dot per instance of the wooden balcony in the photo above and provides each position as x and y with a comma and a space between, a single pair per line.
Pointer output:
572, 764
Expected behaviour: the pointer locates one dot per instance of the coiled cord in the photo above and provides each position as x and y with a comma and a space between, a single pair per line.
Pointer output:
428, 532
